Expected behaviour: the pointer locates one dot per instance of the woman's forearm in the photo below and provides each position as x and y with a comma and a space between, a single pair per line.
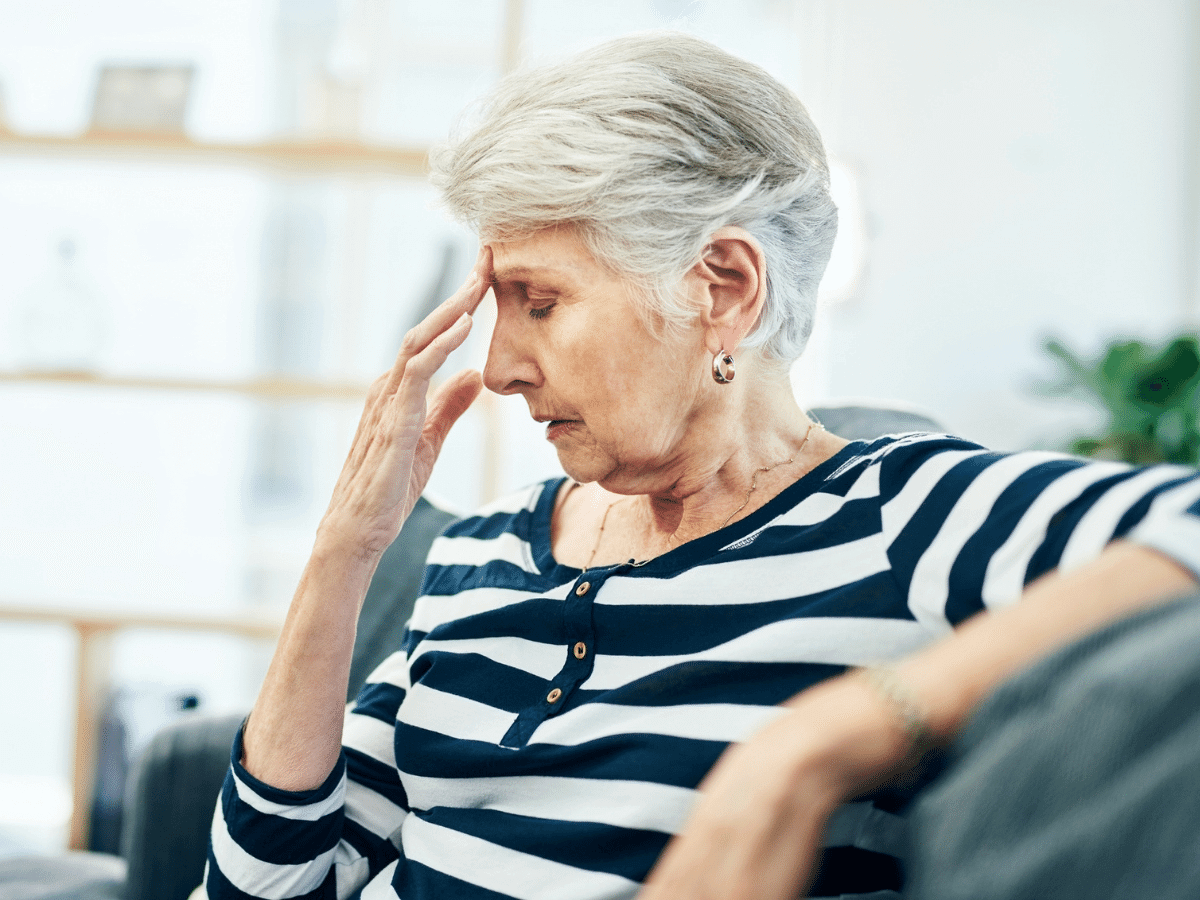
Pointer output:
951, 677
867, 737
845, 737
294, 734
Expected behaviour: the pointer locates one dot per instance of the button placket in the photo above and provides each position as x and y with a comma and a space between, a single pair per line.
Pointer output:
577, 621
580, 637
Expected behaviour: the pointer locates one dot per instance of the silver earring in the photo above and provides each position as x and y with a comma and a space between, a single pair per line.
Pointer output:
723, 368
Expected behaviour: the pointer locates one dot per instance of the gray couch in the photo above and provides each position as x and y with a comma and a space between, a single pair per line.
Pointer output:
173, 787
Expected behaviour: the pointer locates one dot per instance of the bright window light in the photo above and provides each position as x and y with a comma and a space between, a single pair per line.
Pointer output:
849, 255
36, 801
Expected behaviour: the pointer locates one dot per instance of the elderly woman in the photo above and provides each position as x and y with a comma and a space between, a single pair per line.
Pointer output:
634, 680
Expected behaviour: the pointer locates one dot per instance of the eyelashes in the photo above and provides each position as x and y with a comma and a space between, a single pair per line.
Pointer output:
517, 295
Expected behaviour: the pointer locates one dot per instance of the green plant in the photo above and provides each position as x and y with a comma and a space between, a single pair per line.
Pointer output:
1151, 395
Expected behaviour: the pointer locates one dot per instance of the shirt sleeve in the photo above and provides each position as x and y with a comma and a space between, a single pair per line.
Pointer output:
325, 843
967, 528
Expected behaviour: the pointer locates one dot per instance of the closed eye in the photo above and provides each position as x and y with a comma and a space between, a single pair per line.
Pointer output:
540, 312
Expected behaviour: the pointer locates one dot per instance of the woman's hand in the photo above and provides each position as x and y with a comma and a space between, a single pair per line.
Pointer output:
293, 737
756, 830
400, 435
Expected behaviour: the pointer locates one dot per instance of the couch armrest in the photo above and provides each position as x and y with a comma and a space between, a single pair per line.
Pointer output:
169, 804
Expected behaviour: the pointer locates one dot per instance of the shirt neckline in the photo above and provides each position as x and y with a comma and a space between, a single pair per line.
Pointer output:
695, 551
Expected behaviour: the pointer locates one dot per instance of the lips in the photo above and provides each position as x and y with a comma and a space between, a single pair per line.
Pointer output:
556, 428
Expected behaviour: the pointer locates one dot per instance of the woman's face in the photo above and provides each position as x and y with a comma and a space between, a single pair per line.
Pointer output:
621, 406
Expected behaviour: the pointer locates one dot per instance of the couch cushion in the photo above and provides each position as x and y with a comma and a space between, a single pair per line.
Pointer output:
63, 876
393, 591
1077, 778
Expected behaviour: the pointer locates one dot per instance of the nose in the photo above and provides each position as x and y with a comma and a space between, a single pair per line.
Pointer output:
510, 366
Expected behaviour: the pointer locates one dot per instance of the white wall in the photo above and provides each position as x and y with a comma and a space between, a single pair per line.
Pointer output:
1024, 171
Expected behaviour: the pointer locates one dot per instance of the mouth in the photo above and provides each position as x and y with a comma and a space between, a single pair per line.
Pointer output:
556, 428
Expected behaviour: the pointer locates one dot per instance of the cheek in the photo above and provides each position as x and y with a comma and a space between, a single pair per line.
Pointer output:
581, 360
653, 400
620, 374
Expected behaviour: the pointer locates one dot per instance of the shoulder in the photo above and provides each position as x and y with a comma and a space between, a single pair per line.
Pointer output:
487, 559
511, 513
898, 455
507, 530
943, 468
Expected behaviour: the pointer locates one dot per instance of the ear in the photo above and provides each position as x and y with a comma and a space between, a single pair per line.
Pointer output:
730, 286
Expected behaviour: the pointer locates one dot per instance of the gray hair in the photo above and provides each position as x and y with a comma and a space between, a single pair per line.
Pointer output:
648, 144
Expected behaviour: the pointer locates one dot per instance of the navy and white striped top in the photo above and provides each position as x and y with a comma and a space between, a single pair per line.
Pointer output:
541, 732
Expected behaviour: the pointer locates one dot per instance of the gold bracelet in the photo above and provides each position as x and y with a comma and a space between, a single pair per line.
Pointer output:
891, 688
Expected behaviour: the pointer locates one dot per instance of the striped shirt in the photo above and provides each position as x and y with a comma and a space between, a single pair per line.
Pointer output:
542, 730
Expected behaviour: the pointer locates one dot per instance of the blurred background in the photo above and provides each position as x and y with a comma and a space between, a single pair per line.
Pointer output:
214, 230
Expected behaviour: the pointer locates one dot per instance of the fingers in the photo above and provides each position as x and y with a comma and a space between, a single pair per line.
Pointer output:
409, 399
371, 409
465, 300
423, 351
424, 364
448, 404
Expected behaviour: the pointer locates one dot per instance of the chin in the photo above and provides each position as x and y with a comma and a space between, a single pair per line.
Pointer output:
583, 466
583, 474
616, 479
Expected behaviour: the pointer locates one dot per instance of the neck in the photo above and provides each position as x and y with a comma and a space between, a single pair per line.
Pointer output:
751, 449
744, 482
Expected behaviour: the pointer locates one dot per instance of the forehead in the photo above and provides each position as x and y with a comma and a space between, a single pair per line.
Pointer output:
556, 254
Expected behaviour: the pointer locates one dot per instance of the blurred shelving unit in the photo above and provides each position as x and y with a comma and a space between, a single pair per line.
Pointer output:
317, 157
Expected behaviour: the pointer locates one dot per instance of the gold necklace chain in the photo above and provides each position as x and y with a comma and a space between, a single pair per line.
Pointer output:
749, 494
603, 519
782, 462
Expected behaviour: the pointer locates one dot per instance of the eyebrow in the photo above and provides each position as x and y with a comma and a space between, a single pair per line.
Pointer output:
513, 273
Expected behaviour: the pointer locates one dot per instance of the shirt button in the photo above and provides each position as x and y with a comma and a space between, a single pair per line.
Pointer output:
584, 587
580, 650
553, 696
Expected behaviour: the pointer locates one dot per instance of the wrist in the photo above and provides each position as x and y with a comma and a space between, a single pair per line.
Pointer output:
339, 567
853, 733
905, 710
337, 541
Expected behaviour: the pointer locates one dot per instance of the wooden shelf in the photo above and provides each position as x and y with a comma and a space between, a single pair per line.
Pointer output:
251, 626
270, 388
307, 157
